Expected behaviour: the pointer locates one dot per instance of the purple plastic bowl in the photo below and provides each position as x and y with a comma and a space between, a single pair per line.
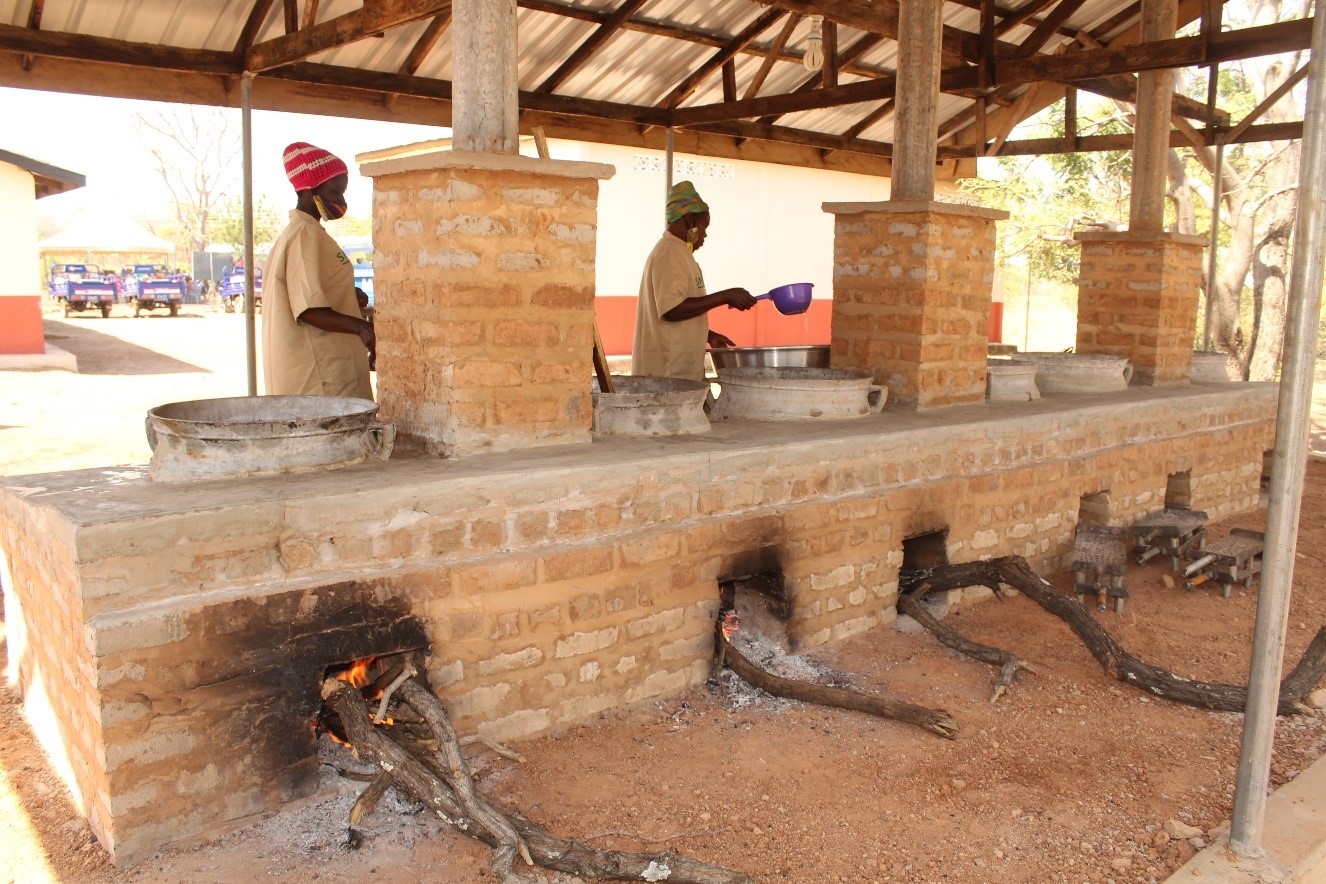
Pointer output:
790, 299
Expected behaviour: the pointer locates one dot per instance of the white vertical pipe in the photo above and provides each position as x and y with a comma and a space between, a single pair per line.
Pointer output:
1291, 452
667, 173
1211, 262
484, 88
250, 272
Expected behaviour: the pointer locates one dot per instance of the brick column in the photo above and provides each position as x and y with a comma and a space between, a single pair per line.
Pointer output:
1137, 297
484, 276
911, 297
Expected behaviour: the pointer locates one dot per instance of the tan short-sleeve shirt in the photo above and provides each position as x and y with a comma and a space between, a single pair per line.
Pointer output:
663, 348
306, 270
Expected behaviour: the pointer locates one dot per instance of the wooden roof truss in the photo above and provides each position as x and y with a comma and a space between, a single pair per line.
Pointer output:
1003, 81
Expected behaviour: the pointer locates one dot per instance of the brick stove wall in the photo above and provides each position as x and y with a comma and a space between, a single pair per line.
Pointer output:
550, 589
1137, 297
911, 293
484, 270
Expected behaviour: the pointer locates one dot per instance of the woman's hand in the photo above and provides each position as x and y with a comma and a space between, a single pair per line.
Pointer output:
720, 340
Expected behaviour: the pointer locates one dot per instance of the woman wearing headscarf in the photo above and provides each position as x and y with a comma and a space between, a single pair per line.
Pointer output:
314, 340
671, 320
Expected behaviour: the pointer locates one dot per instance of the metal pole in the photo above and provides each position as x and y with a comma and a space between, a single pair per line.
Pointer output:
250, 313
1291, 451
1026, 320
1215, 240
667, 173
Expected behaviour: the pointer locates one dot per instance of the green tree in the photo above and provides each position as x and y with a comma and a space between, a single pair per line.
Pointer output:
228, 225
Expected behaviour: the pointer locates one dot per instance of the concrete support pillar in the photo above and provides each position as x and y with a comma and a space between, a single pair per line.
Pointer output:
1137, 297
1155, 91
485, 112
920, 30
911, 297
484, 267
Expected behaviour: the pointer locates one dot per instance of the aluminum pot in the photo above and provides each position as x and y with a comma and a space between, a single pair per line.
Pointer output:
262, 435
649, 406
775, 394
807, 356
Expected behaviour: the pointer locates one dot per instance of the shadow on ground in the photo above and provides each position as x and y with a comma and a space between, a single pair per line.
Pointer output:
101, 353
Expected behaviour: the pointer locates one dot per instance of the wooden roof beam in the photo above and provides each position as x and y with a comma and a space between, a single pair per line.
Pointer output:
34, 14
1048, 28
610, 26
291, 10
57, 44
1123, 141
427, 40
881, 17
677, 32
753, 90
373, 18
1286, 36
715, 61
253, 24
792, 102
860, 47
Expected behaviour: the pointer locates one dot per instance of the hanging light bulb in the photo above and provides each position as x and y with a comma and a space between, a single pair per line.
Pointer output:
814, 57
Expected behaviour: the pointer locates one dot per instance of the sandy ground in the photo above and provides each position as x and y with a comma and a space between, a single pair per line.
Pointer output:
1069, 777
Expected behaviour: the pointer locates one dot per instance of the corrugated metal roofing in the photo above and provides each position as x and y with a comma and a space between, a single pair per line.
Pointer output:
631, 68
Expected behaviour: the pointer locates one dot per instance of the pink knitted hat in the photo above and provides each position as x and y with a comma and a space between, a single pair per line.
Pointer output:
307, 166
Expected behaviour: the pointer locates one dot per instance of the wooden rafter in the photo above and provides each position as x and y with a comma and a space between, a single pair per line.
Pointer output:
881, 17
147, 56
1046, 30
829, 72
678, 32
860, 47
715, 61
34, 14
291, 15
310, 13
885, 109
427, 40
753, 90
1286, 36
792, 102
1023, 15
729, 80
371, 19
1003, 14
1268, 102
253, 24
592, 44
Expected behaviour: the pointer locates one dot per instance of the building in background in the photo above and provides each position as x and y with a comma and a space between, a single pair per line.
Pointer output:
23, 181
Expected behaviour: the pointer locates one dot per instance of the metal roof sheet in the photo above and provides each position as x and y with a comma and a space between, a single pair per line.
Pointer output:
632, 67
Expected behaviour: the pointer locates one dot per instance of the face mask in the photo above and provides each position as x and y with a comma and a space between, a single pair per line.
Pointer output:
329, 211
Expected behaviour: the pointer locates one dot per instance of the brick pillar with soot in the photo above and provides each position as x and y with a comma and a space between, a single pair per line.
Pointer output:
1137, 297
912, 282
484, 277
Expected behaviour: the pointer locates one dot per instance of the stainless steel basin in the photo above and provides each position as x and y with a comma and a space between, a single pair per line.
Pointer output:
807, 356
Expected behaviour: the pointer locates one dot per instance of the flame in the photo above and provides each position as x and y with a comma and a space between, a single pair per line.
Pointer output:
357, 675
731, 623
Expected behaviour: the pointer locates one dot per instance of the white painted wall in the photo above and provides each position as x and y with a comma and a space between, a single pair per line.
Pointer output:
768, 228
20, 268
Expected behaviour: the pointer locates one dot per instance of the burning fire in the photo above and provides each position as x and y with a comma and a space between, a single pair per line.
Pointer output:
731, 623
357, 675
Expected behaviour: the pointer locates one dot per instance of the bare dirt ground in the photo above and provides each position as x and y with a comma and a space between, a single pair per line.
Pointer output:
1070, 777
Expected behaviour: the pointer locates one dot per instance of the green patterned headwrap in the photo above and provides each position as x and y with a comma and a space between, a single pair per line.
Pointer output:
683, 201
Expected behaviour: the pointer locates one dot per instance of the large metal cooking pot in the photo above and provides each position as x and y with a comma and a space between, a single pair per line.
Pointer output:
807, 356
256, 435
